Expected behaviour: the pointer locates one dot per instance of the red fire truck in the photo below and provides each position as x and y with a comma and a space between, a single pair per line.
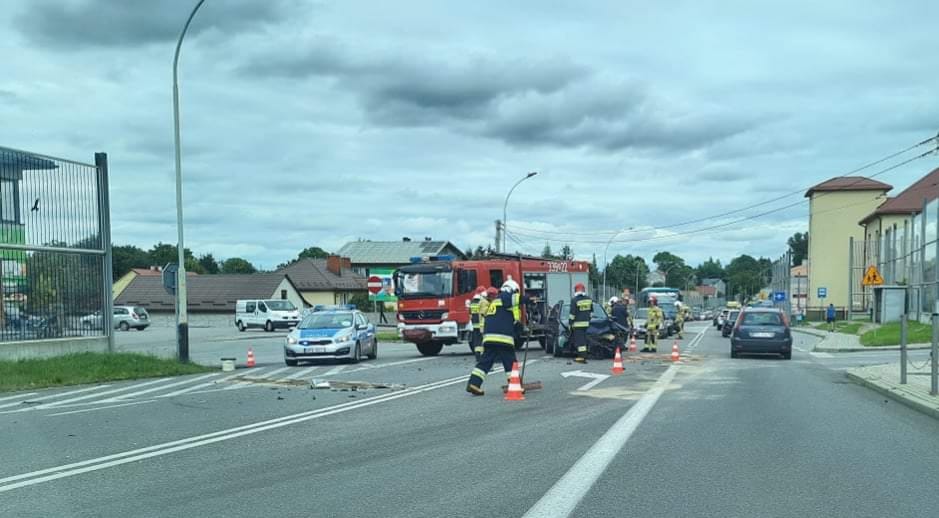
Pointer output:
434, 294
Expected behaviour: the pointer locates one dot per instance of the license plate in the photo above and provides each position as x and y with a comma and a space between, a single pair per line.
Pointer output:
317, 349
762, 335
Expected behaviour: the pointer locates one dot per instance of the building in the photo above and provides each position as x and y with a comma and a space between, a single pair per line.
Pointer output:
364, 255
124, 281
835, 207
799, 287
209, 293
326, 281
720, 287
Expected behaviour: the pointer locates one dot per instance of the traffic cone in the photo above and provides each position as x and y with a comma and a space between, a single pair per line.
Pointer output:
250, 362
617, 362
514, 392
632, 344
675, 354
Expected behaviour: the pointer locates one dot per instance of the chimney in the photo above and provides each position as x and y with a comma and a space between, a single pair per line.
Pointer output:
334, 264
406, 239
345, 263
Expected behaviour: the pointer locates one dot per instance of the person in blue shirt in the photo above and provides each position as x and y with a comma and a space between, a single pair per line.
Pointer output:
830, 318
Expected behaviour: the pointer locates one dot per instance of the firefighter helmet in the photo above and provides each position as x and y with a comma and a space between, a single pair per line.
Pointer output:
580, 288
492, 293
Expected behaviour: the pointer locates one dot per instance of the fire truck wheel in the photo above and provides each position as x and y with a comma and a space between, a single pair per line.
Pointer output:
429, 348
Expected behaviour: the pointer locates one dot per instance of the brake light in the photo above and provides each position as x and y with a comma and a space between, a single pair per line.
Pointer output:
134, 316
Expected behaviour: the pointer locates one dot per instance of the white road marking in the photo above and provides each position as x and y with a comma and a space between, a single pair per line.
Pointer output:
102, 408
822, 355
300, 373
597, 378
132, 395
60, 394
197, 387
18, 396
391, 364
71, 401
335, 370
276, 371
566, 493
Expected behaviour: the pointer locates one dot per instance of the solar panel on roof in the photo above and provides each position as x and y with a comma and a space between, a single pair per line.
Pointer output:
428, 246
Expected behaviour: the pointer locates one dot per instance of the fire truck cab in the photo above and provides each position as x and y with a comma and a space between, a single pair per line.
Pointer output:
434, 294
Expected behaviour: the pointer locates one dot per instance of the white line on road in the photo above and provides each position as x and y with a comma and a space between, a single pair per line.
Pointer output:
71, 401
132, 403
197, 387
276, 371
566, 493
125, 397
391, 364
335, 370
822, 355
300, 373
52, 396
18, 396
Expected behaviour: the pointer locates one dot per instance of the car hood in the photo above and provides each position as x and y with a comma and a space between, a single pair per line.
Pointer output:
319, 333
639, 321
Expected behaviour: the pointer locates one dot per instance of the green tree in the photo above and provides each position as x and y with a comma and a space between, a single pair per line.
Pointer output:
745, 275
799, 247
208, 263
126, 257
313, 252
237, 265
622, 271
546, 251
164, 253
710, 269
567, 253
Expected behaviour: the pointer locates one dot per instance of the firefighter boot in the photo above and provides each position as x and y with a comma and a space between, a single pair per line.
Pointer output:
474, 390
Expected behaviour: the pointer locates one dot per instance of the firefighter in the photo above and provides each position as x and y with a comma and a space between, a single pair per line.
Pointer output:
620, 312
498, 336
579, 318
679, 319
475, 307
653, 322
516, 311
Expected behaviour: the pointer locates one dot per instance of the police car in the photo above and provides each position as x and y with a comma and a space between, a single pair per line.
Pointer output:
338, 333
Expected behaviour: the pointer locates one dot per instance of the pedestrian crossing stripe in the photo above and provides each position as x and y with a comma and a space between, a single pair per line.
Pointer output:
872, 277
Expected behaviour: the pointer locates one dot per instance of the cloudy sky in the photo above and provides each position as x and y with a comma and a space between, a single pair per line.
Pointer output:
315, 123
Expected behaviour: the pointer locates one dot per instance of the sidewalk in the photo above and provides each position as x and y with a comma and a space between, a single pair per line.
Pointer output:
886, 380
844, 343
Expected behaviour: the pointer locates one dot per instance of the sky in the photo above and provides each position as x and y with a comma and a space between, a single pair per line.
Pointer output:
310, 123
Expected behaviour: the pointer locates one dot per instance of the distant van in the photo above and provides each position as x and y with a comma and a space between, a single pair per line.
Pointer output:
266, 314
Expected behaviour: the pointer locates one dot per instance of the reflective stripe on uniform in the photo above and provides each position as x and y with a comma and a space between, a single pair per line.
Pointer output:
585, 305
500, 339
479, 350
582, 349
478, 373
516, 310
581, 324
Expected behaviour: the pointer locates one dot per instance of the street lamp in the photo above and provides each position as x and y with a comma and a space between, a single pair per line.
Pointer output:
182, 314
606, 264
505, 206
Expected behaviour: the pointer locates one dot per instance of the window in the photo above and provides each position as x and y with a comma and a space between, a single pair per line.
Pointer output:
466, 281
262, 307
8, 201
283, 294
495, 278
120, 311
249, 307
762, 319
360, 320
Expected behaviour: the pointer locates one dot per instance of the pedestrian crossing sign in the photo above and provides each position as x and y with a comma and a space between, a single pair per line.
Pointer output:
872, 277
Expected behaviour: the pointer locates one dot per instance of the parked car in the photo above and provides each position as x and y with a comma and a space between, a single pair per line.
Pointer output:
729, 322
719, 319
761, 330
266, 314
332, 335
124, 318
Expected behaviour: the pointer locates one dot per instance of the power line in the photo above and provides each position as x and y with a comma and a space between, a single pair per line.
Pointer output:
755, 205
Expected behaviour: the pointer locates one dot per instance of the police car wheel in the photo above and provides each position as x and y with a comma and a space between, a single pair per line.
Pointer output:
356, 354
374, 354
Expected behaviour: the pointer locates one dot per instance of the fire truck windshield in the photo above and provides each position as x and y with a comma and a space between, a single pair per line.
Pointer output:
424, 284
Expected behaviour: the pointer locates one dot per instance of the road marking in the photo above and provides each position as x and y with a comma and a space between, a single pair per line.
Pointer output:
71, 401
18, 396
197, 387
125, 397
391, 364
275, 371
597, 378
116, 459
335, 370
566, 493
250, 373
300, 373
101, 408
51, 396
822, 355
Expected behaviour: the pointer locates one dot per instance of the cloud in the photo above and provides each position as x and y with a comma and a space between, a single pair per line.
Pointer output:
77, 24
720, 175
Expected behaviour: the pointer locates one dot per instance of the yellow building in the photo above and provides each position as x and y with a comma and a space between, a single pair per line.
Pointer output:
835, 207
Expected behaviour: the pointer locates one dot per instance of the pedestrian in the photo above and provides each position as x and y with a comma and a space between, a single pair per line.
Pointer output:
653, 322
498, 336
475, 308
679, 319
830, 318
382, 319
579, 318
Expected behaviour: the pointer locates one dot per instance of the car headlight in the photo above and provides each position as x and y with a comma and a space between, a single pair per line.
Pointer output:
342, 339
445, 316
291, 340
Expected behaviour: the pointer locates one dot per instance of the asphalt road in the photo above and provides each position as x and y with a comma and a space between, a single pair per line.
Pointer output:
709, 436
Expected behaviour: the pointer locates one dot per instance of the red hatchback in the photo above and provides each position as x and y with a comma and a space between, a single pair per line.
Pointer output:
763, 331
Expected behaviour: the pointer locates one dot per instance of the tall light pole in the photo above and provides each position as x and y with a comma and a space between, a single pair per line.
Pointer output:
606, 264
182, 313
505, 206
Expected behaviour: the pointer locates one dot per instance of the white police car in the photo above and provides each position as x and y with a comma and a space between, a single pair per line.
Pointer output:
335, 334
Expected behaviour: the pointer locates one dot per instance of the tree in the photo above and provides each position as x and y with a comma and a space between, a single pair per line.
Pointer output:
125, 257
745, 275
546, 251
799, 247
237, 265
164, 253
593, 274
710, 269
622, 271
567, 253
208, 263
313, 252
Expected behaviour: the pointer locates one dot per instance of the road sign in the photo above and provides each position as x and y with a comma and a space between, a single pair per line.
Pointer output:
822, 293
374, 284
872, 277
169, 278
779, 296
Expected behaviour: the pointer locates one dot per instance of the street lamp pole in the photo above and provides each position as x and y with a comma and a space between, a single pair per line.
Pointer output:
182, 314
606, 264
505, 206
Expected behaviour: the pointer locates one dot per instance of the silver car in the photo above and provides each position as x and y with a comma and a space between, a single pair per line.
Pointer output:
332, 335
125, 317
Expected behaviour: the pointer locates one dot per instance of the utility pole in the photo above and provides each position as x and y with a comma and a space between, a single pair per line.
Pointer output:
498, 235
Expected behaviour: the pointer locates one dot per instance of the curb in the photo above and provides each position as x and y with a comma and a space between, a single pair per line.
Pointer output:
892, 393
813, 332
819, 349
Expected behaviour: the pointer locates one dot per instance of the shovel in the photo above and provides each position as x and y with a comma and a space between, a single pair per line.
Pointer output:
534, 385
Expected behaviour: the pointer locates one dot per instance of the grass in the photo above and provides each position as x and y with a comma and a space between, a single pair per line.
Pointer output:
75, 369
889, 334
388, 336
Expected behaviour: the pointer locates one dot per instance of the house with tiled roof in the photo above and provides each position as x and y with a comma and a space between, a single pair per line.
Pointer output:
209, 293
326, 281
364, 255
895, 212
835, 207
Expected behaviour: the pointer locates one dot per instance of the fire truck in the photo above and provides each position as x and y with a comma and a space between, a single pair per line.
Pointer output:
434, 294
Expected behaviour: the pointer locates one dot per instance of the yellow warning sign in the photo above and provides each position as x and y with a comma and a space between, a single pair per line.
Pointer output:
872, 277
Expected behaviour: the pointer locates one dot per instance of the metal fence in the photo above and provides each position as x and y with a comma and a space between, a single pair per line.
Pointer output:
781, 282
55, 263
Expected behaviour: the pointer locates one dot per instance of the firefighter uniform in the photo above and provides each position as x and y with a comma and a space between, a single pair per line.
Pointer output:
498, 340
517, 315
680, 321
581, 309
476, 340
654, 321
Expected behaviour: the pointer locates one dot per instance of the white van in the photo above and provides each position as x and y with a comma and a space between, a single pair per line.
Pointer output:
266, 314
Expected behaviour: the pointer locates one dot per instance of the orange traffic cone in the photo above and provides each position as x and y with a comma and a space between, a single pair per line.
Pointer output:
250, 362
514, 392
617, 363
632, 344
675, 354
